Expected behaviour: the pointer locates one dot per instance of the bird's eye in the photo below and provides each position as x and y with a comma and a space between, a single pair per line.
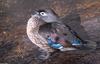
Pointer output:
43, 14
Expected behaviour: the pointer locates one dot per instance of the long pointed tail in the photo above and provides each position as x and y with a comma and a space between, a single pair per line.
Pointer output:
90, 44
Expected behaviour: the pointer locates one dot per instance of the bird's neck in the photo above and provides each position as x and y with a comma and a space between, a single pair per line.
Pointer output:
32, 32
32, 26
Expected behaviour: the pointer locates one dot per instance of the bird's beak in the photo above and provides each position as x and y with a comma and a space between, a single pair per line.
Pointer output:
35, 15
34, 12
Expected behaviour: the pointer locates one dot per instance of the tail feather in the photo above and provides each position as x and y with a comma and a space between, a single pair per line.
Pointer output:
90, 44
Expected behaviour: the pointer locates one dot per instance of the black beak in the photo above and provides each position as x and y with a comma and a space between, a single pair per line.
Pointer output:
34, 12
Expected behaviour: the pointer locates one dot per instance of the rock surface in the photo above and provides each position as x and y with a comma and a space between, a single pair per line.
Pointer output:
15, 47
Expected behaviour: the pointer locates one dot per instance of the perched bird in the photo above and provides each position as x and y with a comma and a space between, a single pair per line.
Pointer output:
45, 30
40, 27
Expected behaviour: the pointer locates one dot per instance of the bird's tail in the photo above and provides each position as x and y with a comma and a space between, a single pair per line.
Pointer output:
89, 45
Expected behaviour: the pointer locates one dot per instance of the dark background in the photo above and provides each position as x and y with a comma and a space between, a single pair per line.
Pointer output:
15, 47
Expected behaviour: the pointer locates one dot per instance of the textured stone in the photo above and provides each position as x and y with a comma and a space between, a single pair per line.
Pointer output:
16, 48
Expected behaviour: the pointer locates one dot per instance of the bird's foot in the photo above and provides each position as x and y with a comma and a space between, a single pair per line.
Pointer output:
42, 55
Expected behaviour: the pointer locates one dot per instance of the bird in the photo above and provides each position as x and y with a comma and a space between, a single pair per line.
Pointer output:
45, 29
39, 35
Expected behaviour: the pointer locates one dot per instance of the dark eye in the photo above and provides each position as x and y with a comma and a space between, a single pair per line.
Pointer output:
43, 14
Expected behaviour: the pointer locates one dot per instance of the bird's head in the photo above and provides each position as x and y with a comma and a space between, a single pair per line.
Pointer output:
47, 15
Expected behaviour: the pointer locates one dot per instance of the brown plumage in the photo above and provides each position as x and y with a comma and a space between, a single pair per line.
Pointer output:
41, 24
45, 23
33, 26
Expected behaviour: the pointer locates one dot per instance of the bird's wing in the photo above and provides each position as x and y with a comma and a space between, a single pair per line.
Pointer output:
44, 32
65, 37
